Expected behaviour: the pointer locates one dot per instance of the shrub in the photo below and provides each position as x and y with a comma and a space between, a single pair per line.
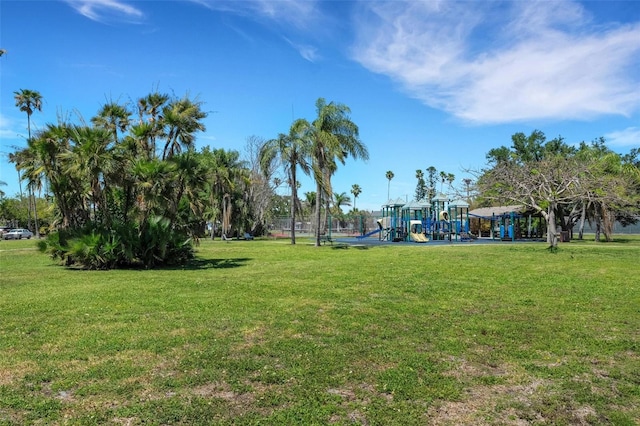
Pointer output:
123, 245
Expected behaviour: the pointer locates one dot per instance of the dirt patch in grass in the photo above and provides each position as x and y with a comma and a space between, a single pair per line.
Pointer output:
485, 405
223, 391
502, 394
10, 375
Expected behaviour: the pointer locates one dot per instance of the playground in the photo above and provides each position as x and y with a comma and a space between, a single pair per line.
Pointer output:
446, 221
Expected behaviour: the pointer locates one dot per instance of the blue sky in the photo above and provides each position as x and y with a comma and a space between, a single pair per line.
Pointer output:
433, 83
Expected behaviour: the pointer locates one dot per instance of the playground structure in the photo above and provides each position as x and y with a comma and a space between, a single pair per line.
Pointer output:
506, 223
443, 219
422, 221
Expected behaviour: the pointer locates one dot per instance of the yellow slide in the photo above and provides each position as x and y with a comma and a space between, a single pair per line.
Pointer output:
419, 238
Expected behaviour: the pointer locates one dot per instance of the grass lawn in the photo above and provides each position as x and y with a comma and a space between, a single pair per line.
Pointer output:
262, 332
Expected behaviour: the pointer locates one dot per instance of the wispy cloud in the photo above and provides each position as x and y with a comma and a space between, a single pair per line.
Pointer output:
107, 10
301, 16
489, 62
298, 13
308, 52
627, 137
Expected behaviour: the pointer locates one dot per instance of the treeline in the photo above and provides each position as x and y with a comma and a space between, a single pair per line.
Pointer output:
568, 185
128, 188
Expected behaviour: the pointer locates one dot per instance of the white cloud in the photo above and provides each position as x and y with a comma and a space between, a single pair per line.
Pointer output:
298, 13
488, 62
627, 137
301, 15
104, 10
308, 52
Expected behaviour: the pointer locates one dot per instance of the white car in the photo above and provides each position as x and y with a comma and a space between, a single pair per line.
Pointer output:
18, 234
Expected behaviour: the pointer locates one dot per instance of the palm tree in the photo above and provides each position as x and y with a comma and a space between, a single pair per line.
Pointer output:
190, 180
225, 173
150, 106
53, 147
443, 177
450, 178
334, 138
339, 200
182, 119
32, 171
92, 159
113, 117
389, 176
292, 150
356, 191
310, 201
28, 101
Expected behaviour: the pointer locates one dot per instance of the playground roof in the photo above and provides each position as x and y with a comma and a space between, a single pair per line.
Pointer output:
415, 205
497, 211
398, 202
458, 203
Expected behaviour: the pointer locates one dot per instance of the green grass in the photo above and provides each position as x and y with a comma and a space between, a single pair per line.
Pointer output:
262, 332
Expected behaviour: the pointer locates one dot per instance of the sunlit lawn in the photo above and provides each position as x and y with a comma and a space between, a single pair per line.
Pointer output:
262, 332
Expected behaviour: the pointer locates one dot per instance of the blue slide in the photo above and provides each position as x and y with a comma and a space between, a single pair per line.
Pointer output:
369, 234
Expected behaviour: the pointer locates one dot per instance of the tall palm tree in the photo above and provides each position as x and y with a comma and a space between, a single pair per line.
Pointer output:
450, 178
356, 191
310, 199
28, 101
113, 117
334, 138
292, 151
33, 172
389, 175
53, 145
182, 119
150, 108
339, 200
443, 178
92, 158
225, 173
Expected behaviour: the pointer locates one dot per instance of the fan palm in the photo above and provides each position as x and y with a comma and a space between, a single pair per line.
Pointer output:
292, 150
113, 117
182, 119
356, 191
28, 101
389, 175
150, 106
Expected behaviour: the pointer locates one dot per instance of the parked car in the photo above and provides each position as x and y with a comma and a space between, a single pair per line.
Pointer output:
4, 230
18, 234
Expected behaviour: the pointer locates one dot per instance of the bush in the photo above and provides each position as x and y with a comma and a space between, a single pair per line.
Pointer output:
123, 245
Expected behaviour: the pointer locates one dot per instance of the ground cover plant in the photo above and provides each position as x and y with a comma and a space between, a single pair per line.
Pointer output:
263, 332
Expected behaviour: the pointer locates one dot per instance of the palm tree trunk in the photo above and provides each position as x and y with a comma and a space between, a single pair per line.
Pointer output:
318, 207
294, 201
35, 216
29, 199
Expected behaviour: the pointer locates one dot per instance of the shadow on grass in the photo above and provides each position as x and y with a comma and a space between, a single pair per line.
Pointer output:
350, 246
197, 264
